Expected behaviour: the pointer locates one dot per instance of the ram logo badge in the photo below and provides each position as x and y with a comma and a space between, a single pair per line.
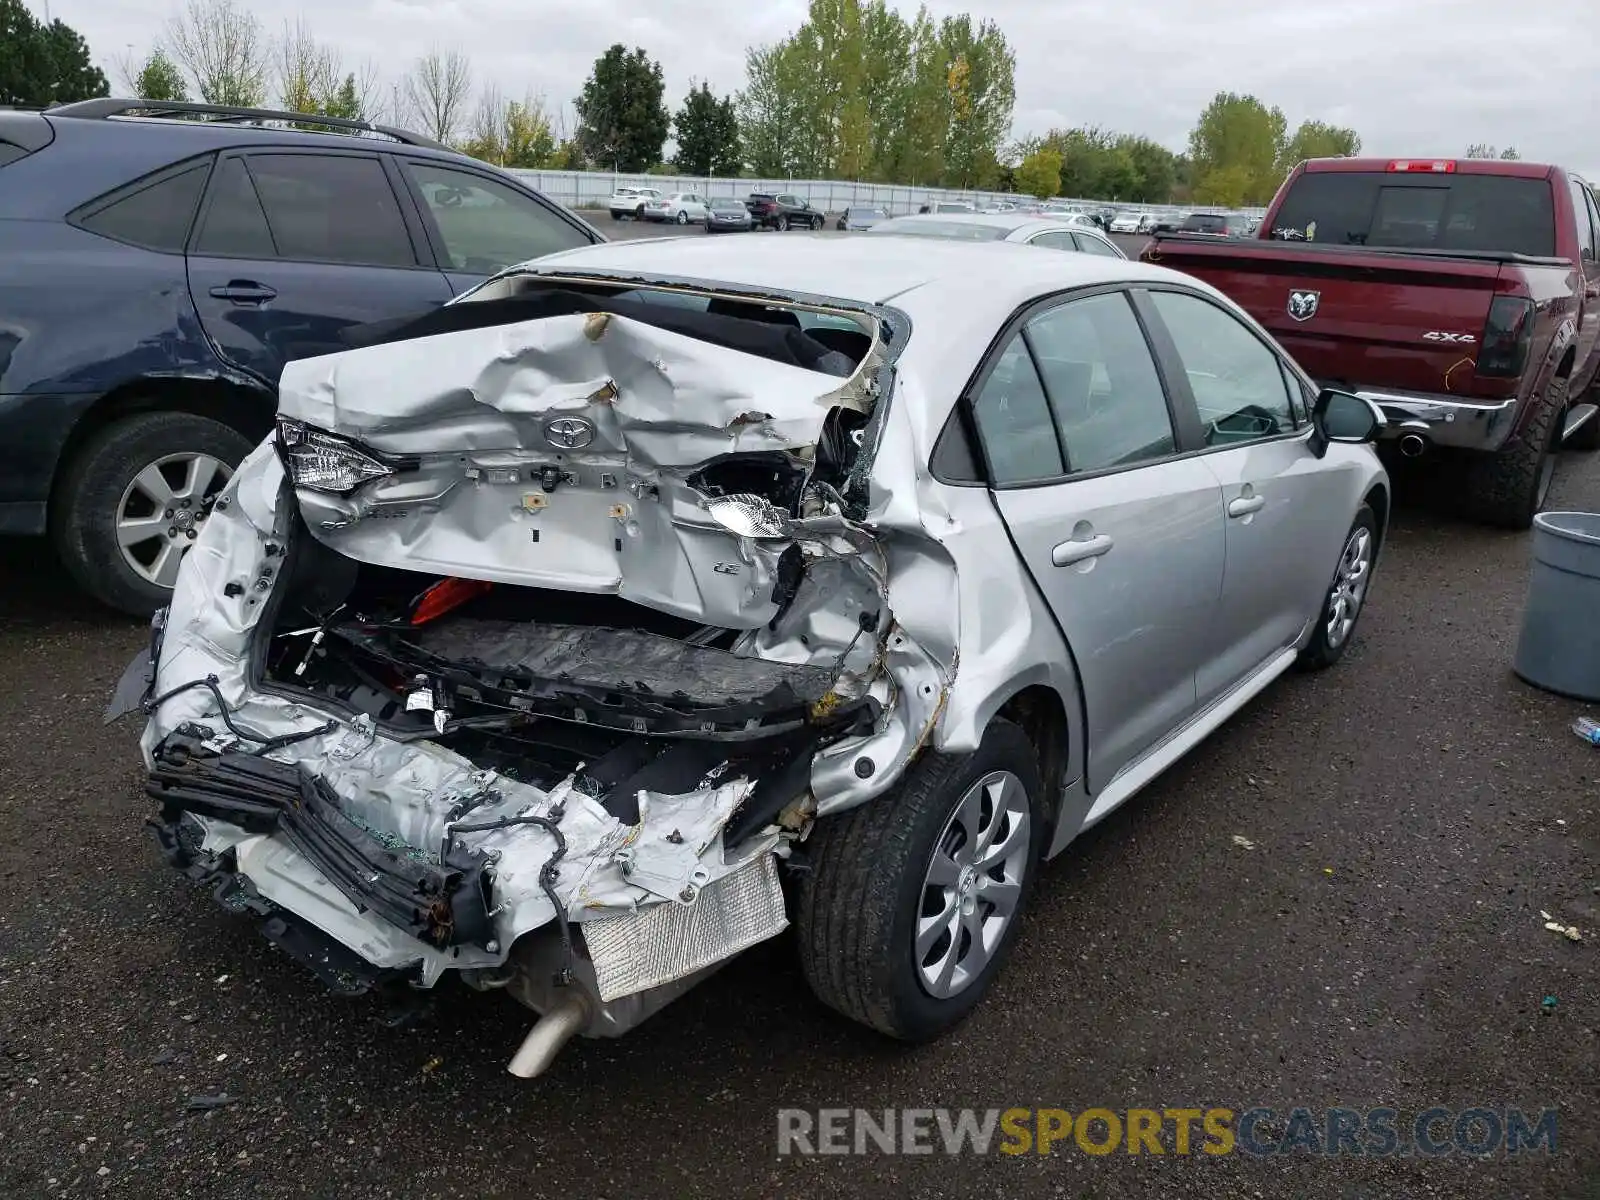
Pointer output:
1303, 305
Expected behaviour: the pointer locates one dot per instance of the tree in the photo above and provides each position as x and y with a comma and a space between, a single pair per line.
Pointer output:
768, 110
1155, 169
707, 130
160, 79
622, 120
43, 64
511, 133
1484, 150
434, 93
1241, 140
1040, 173
982, 83
308, 71
1314, 139
221, 46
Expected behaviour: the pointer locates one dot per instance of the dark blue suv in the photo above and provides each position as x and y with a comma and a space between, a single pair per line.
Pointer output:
156, 274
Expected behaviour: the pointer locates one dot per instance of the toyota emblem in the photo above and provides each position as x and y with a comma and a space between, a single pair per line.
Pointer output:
569, 433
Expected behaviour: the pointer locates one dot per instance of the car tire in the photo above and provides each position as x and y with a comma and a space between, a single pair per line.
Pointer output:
1507, 488
102, 502
781, 224
816, 224
871, 886
1346, 596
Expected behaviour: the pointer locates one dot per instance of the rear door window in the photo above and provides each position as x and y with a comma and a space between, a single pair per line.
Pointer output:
154, 214
234, 226
1238, 383
1580, 209
1059, 240
1090, 244
1494, 213
332, 208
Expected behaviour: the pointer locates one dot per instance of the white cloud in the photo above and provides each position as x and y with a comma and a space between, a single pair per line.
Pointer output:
1411, 76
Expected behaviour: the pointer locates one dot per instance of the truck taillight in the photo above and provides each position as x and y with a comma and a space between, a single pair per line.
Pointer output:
1431, 166
1507, 337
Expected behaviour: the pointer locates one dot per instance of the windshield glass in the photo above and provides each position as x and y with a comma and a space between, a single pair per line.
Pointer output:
959, 230
1420, 212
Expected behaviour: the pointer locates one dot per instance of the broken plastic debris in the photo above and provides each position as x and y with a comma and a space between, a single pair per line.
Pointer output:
1243, 842
1548, 1004
1570, 932
432, 1065
1327, 870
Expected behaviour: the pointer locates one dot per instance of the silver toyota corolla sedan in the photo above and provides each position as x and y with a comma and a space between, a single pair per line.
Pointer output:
555, 630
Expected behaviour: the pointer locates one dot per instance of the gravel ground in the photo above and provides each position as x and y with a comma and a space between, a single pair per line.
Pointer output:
1410, 812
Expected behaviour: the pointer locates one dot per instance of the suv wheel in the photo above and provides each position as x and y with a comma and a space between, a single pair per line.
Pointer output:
782, 223
912, 905
816, 224
1508, 488
683, 217
134, 499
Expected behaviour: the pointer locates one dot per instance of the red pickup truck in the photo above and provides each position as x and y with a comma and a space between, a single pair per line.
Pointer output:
1463, 297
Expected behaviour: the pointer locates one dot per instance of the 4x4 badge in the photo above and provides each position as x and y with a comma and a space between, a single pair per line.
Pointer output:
1303, 305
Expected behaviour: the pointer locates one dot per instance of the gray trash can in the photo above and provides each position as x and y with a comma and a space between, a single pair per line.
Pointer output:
1559, 649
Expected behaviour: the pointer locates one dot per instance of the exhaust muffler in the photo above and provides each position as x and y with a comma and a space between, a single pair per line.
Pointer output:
549, 1034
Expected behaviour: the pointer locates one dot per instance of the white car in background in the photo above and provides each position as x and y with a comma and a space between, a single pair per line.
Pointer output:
681, 207
1076, 232
1130, 222
630, 201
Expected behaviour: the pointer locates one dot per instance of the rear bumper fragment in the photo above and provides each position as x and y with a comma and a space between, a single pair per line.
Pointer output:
1445, 420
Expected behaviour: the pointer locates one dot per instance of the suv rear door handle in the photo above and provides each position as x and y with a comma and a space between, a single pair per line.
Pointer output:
1243, 506
1067, 553
244, 291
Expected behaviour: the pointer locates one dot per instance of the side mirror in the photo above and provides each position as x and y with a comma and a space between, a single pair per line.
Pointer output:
1344, 417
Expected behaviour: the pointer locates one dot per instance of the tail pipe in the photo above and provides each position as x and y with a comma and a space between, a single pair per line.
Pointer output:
549, 1034
1413, 445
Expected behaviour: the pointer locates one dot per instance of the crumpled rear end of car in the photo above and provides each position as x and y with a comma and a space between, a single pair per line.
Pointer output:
536, 636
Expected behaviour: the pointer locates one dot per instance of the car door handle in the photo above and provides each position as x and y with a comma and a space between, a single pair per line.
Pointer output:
1067, 553
243, 291
1243, 506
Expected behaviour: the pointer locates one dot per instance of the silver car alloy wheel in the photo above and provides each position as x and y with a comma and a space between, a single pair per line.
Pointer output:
683, 217
973, 882
1349, 586
162, 511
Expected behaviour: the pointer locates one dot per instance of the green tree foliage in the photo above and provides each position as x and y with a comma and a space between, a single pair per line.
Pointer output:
43, 64
707, 130
622, 120
1240, 141
1314, 139
160, 79
859, 92
1097, 164
512, 133
1039, 173
1484, 150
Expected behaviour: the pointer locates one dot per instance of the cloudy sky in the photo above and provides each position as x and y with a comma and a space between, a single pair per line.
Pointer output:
1411, 76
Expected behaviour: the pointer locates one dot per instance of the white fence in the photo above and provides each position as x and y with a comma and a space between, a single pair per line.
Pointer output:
591, 189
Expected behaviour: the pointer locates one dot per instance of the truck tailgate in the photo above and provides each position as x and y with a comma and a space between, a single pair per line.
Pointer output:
1402, 321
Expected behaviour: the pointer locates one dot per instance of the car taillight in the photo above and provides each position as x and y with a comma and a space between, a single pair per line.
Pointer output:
1431, 166
1507, 336
446, 596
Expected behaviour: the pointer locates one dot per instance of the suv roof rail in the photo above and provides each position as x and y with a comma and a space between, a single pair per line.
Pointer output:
108, 106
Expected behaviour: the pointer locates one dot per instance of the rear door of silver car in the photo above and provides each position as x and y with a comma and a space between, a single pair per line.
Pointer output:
1286, 510
1120, 529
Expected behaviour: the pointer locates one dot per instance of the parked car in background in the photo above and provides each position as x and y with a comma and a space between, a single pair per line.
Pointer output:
947, 206
1130, 222
1055, 233
158, 274
1165, 222
629, 202
727, 213
1463, 296
680, 208
1003, 206
782, 211
1216, 224
577, 768
861, 217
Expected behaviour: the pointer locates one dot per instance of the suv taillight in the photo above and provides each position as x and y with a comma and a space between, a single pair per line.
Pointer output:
1507, 336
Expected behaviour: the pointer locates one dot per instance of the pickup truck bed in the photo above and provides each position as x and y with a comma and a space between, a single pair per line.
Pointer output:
1471, 348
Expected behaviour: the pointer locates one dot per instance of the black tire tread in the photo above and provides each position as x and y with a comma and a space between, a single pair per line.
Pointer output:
847, 901
1502, 489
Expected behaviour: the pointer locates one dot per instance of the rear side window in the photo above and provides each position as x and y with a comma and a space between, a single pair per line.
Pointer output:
332, 208
1495, 213
486, 225
1093, 245
1580, 210
234, 225
154, 214
1013, 419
